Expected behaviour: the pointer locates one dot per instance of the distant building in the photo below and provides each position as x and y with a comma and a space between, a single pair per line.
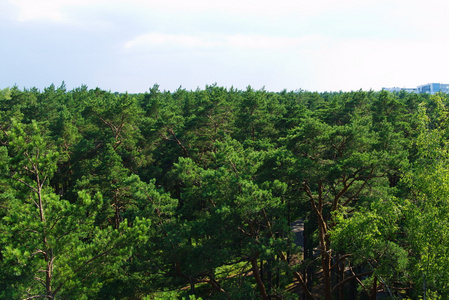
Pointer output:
430, 88
398, 89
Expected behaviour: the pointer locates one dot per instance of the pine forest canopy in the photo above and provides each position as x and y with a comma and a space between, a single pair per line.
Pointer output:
191, 194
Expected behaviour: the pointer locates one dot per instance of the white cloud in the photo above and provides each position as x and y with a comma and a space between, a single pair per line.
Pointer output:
50, 10
169, 40
38, 10
426, 18
252, 42
263, 42
355, 64
286, 17
417, 14
60, 10
324, 44
250, 8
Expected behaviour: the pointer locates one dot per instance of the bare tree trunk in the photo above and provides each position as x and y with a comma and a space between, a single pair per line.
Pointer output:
48, 255
326, 265
259, 281
341, 270
374, 289
323, 238
48, 272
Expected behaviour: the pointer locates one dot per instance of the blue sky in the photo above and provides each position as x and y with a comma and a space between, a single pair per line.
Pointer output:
129, 45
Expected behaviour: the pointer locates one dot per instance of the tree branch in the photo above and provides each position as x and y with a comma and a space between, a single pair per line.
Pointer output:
39, 296
340, 259
350, 278
85, 265
21, 181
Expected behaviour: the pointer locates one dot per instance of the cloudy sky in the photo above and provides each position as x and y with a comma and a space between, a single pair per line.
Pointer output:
314, 45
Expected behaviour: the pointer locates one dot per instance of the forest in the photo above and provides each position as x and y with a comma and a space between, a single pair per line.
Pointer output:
192, 194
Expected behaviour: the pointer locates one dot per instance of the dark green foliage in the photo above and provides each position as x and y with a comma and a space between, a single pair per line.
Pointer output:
191, 194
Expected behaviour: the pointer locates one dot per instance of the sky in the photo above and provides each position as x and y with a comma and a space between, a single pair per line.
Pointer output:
313, 45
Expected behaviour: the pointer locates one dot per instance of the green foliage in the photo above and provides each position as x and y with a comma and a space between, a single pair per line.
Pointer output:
373, 236
50, 246
427, 224
191, 193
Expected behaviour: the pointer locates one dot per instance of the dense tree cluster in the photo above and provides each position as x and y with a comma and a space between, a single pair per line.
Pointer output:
192, 194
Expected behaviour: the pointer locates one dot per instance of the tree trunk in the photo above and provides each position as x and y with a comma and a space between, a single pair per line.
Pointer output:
269, 275
341, 270
39, 196
324, 245
48, 272
353, 289
374, 289
258, 279
326, 265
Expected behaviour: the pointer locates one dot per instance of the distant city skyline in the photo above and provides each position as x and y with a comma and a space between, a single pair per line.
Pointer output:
131, 45
428, 88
